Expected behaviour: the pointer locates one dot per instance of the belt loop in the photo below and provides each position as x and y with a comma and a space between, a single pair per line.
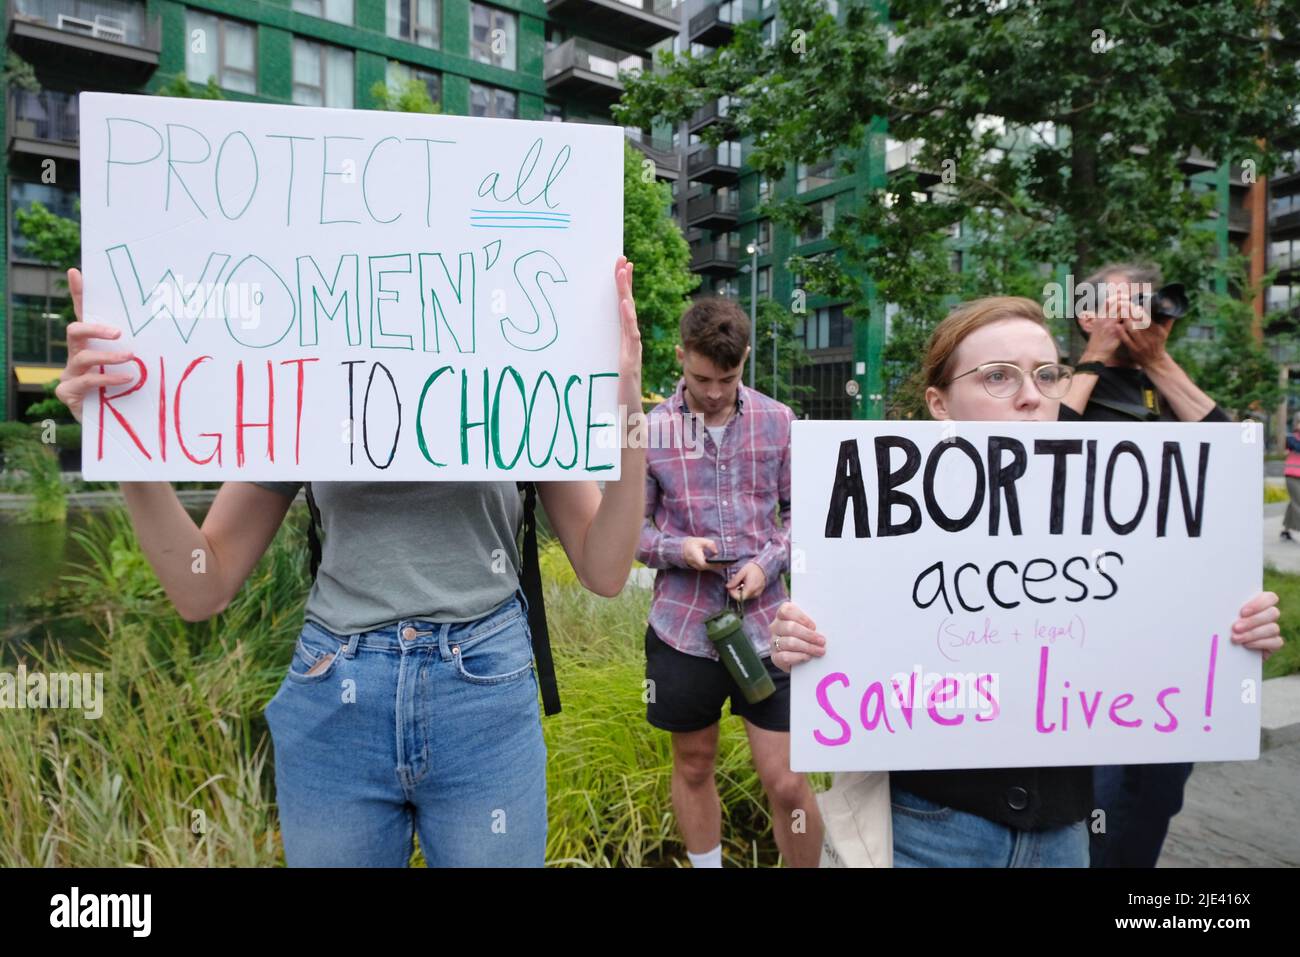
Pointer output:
444, 646
523, 599
353, 641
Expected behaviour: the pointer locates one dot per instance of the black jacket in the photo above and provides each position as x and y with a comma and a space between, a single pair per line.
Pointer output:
1128, 395
1024, 798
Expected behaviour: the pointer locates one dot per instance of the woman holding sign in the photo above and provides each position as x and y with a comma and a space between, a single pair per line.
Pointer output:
995, 360
410, 703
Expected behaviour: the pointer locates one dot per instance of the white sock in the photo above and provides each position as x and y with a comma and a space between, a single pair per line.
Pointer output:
711, 858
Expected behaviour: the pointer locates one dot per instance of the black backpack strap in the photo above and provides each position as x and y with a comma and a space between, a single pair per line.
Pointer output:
313, 530
531, 582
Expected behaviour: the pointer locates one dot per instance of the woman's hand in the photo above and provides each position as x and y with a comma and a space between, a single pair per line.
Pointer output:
795, 638
629, 359
78, 376
1257, 627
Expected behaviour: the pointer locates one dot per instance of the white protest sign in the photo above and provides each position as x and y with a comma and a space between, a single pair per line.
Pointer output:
1024, 594
350, 294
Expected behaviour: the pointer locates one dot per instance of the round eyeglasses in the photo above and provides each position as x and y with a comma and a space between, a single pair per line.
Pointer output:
1002, 380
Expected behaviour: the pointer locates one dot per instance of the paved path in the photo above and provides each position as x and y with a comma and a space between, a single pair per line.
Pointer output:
1240, 814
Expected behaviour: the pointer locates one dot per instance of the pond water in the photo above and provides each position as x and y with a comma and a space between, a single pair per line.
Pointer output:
33, 559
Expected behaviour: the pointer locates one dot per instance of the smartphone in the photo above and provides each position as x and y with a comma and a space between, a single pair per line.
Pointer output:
719, 560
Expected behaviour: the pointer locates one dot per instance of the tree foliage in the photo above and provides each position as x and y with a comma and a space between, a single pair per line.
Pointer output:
1054, 131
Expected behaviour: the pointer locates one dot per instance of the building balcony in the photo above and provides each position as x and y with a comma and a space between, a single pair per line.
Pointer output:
585, 70
1196, 162
714, 211
44, 124
1285, 226
641, 23
716, 165
111, 39
715, 256
1238, 221
712, 112
668, 164
715, 25
902, 158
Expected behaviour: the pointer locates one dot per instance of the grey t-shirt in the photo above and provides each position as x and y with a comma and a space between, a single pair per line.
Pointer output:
438, 551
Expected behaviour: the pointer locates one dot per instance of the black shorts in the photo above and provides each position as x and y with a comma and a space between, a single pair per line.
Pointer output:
688, 691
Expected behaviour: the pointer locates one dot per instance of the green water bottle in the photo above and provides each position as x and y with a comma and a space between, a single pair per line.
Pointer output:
742, 661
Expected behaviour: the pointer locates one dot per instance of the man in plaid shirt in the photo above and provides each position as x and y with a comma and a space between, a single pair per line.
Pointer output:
711, 501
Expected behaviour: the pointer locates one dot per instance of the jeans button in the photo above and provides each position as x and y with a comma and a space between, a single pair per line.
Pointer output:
1017, 798
408, 633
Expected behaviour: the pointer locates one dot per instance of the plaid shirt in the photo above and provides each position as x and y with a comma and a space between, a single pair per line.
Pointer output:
729, 494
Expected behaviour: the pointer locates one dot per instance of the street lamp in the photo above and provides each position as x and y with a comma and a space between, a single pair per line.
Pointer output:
752, 249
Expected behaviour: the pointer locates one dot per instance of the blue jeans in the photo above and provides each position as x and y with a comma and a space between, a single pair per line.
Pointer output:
928, 834
415, 726
1139, 800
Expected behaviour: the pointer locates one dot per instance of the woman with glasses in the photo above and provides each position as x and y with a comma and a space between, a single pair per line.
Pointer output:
994, 360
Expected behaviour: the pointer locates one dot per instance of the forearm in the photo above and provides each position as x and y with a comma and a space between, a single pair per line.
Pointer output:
176, 548
1188, 402
615, 531
1082, 383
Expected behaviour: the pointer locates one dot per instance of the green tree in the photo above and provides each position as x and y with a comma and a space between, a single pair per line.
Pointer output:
1056, 127
1232, 366
53, 239
56, 241
412, 97
20, 74
661, 277
181, 86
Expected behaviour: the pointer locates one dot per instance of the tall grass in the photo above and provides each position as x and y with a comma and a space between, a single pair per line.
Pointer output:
41, 480
178, 771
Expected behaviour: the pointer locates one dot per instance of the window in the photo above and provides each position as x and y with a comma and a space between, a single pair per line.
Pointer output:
399, 74
322, 75
493, 36
221, 48
824, 213
1279, 254
553, 111
1283, 298
39, 332
812, 175
765, 281
1281, 205
764, 188
492, 101
340, 11
763, 234
726, 246
414, 20
769, 33
825, 328
955, 261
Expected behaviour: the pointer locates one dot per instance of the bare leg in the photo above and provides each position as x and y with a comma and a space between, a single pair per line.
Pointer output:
695, 793
796, 820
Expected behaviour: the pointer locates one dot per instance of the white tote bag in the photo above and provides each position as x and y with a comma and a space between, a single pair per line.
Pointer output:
858, 820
